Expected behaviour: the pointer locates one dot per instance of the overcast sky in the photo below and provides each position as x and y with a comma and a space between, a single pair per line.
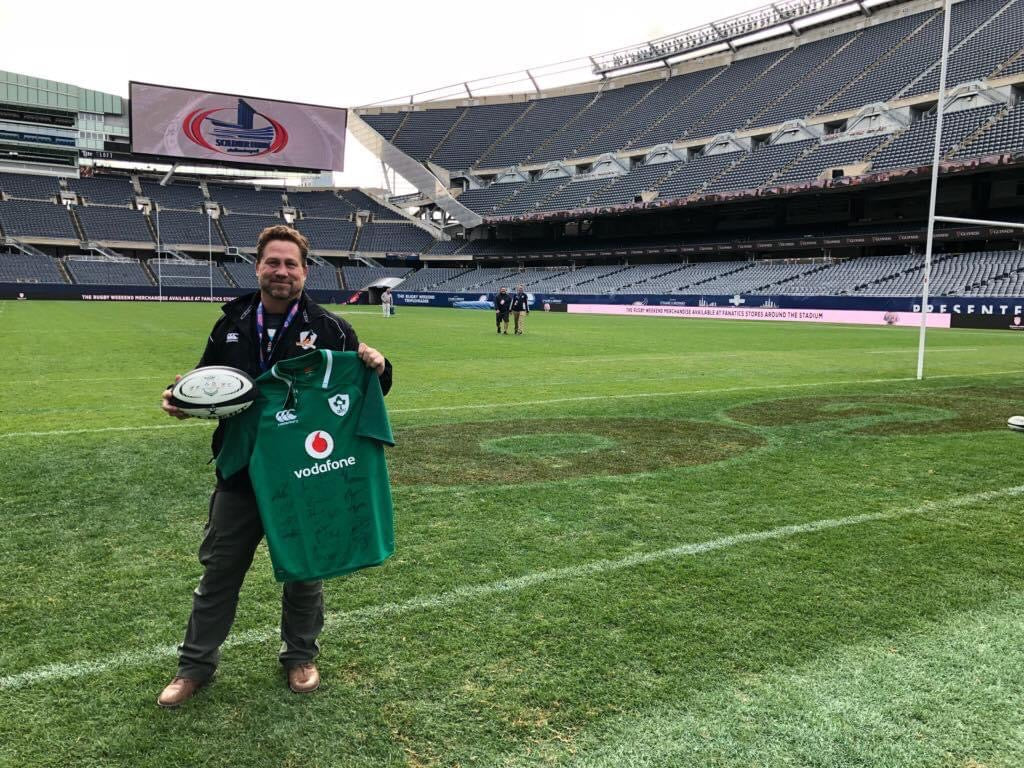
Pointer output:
325, 53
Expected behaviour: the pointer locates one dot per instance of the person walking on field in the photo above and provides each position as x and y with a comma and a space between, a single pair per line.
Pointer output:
502, 306
386, 302
520, 308
257, 331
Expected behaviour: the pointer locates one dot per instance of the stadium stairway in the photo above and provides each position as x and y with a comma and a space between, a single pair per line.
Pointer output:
448, 134
823, 108
738, 94
595, 138
973, 137
917, 85
638, 140
479, 162
556, 135
808, 76
76, 223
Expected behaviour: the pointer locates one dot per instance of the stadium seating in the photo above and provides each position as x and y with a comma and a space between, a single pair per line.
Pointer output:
26, 268
485, 199
242, 199
328, 234
1005, 135
532, 129
445, 247
360, 277
831, 154
393, 238
361, 201
427, 278
177, 197
24, 218
477, 131
103, 190
94, 272
591, 120
100, 222
914, 147
325, 205
242, 274
243, 231
323, 278
980, 41
184, 228
833, 74
188, 274
423, 131
757, 168
668, 95
25, 187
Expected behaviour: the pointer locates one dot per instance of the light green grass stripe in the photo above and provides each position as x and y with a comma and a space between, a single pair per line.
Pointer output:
59, 672
552, 401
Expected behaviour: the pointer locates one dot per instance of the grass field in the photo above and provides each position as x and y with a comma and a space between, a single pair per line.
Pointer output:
621, 542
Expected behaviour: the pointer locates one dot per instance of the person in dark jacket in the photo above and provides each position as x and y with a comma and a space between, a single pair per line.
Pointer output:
502, 305
277, 322
520, 308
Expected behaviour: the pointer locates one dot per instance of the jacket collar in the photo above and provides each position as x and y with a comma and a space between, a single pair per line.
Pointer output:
242, 311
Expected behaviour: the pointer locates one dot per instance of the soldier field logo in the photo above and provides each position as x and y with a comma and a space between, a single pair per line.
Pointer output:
238, 131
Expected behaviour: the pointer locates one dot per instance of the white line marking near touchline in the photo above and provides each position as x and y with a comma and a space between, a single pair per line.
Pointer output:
553, 401
73, 670
146, 428
637, 395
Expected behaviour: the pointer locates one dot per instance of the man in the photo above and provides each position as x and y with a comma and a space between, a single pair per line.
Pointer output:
386, 300
257, 330
502, 305
520, 307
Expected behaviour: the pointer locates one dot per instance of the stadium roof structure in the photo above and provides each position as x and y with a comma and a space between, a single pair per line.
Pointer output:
774, 19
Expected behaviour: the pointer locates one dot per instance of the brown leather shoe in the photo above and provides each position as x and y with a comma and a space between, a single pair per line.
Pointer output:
304, 678
178, 691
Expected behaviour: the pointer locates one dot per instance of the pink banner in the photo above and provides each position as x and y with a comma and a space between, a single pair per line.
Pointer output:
843, 316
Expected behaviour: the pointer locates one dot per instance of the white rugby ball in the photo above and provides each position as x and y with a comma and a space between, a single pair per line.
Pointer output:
213, 392
1016, 423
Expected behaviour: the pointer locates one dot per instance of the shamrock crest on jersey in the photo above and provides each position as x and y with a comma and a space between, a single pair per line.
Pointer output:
339, 404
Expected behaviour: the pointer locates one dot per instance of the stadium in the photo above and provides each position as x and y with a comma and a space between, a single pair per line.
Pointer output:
703, 513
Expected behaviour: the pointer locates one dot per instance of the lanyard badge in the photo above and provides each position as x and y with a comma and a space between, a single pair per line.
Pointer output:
267, 345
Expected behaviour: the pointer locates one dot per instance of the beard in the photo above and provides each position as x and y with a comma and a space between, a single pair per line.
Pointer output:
281, 289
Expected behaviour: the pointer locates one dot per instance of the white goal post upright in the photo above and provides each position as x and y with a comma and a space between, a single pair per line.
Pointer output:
936, 156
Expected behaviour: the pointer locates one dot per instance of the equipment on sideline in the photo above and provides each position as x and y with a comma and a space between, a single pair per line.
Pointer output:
213, 392
1016, 423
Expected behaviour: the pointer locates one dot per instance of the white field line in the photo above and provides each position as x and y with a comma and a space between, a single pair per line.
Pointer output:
933, 349
577, 399
70, 671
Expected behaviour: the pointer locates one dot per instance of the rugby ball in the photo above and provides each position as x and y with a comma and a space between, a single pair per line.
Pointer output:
213, 392
1016, 423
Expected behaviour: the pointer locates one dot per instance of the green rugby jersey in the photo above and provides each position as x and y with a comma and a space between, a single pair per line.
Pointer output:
314, 444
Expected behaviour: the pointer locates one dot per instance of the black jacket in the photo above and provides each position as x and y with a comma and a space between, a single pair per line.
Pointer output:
233, 342
502, 303
520, 302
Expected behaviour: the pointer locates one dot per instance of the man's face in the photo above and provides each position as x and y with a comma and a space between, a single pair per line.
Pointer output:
281, 273
519, 288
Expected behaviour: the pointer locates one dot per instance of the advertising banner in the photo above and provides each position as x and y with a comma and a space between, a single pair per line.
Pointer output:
845, 316
225, 128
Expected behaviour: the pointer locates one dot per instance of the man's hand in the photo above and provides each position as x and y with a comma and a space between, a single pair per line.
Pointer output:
169, 409
371, 358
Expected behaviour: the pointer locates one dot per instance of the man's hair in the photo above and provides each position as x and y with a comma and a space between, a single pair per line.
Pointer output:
282, 232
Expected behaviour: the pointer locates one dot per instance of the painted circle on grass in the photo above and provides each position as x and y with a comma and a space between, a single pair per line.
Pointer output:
547, 444
542, 450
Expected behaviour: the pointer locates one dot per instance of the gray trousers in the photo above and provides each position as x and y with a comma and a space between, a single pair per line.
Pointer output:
233, 531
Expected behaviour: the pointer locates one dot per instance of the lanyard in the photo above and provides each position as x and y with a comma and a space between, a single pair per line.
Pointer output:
267, 348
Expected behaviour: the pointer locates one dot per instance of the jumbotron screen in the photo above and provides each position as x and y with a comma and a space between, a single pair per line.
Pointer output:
221, 127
